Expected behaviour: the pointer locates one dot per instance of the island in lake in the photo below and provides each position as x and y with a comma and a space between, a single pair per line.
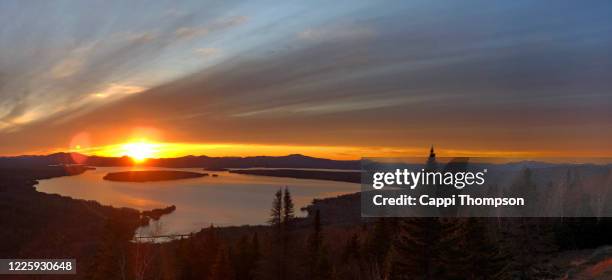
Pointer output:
151, 175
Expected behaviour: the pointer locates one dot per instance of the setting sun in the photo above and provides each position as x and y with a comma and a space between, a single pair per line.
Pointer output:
139, 151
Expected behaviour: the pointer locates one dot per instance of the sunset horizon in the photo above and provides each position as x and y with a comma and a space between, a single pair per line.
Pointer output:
145, 149
305, 140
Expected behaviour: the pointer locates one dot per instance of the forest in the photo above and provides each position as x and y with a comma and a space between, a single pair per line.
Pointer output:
382, 248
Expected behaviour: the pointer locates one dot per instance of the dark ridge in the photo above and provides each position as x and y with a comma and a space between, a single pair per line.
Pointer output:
340, 176
210, 163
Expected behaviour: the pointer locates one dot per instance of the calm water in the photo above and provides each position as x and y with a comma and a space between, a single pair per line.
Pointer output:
230, 199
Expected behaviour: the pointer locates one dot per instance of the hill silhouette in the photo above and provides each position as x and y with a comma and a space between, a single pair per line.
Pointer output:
289, 161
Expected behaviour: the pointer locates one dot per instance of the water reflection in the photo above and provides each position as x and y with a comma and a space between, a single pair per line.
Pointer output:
230, 199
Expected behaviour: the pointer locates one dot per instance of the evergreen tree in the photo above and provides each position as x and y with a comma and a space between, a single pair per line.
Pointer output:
208, 251
377, 246
244, 261
288, 215
255, 247
255, 255
415, 252
281, 216
350, 259
221, 269
351, 249
323, 267
467, 251
240, 260
288, 212
527, 242
317, 259
315, 238
183, 258
276, 213
112, 256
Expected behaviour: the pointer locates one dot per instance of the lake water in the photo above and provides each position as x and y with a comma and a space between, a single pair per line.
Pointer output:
230, 199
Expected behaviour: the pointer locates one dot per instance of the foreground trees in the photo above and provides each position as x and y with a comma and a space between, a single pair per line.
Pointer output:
279, 262
317, 259
383, 248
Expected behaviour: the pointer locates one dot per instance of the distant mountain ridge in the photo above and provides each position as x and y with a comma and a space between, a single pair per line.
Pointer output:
289, 161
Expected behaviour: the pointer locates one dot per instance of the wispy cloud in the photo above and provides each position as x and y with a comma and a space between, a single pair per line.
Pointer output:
369, 76
337, 33
66, 72
115, 90
207, 52
71, 63
190, 32
66, 68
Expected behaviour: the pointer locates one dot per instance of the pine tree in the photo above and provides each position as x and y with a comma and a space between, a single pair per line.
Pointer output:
377, 246
244, 260
240, 260
351, 249
414, 252
315, 239
288, 212
281, 215
255, 247
255, 255
112, 256
467, 251
221, 269
209, 251
527, 242
350, 258
317, 260
276, 213
287, 226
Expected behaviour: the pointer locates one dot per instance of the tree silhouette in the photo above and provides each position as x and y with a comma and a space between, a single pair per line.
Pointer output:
317, 258
288, 211
377, 246
415, 252
221, 269
281, 220
276, 213
467, 251
244, 261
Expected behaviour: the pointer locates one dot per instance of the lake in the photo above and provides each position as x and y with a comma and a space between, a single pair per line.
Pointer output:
230, 199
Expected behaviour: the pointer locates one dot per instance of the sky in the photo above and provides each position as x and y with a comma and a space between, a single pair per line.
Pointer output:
342, 80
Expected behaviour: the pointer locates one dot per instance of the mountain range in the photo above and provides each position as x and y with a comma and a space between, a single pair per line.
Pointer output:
289, 161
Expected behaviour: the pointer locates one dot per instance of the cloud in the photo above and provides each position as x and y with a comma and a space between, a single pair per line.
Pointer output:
187, 32
337, 33
66, 68
191, 32
371, 79
229, 22
114, 90
206, 52
57, 72
140, 38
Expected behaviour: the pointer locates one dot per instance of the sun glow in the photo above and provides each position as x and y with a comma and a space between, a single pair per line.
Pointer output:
139, 151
